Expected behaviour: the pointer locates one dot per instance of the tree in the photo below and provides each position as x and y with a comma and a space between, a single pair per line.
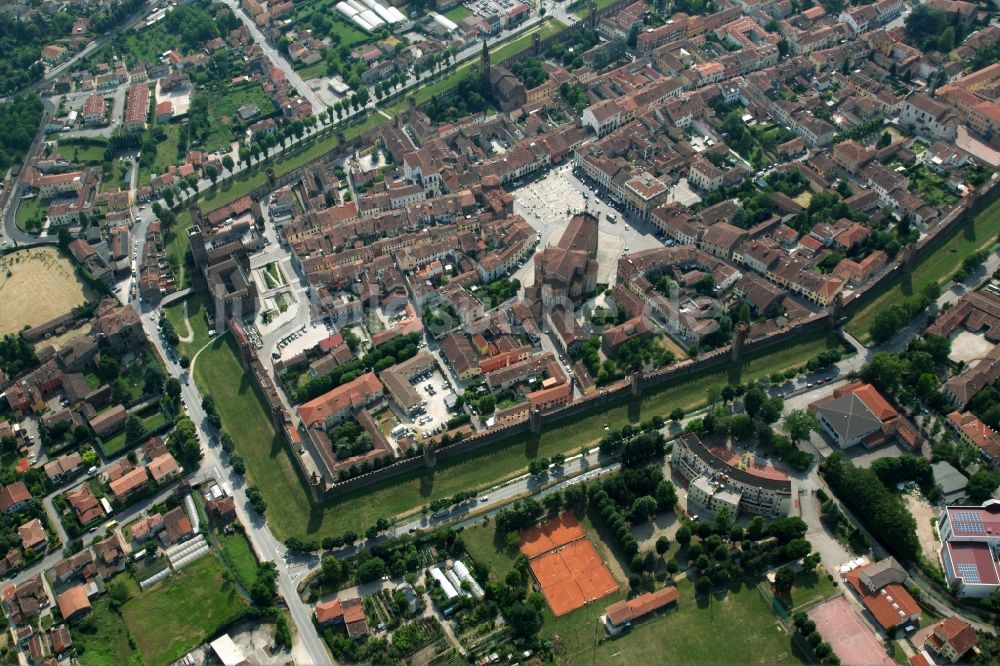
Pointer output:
212, 172
538, 466
662, 546
753, 399
784, 579
227, 163
643, 508
666, 496
683, 536
799, 423
118, 593
982, 484
172, 388
676, 414
770, 410
333, 571
371, 570
525, 621
134, 429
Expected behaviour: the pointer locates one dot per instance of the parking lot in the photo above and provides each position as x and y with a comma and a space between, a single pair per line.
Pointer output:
432, 389
489, 7
303, 338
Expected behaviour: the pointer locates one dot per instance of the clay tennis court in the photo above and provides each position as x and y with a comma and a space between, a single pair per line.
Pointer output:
851, 639
550, 535
566, 564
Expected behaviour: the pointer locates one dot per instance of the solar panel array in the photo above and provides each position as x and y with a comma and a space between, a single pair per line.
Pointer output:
967, 522
969, 573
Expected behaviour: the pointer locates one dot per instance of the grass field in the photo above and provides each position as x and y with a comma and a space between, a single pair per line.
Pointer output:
197, 303
219, 373
79, 153
30, 214
152, 420
166, 152
239, 557
458, 13
481, 542
734, 628
108, 645
22, 274
170, 618
313, 71
222, 111
938, 267
811, 588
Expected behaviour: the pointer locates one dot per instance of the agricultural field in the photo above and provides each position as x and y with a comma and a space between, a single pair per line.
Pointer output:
24, 304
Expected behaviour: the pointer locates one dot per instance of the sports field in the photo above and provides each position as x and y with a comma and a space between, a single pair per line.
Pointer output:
851, 639
566, 564
37, 285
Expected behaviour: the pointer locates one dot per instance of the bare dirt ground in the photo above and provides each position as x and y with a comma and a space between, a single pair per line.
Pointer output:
968, 346
36, 285
923, 513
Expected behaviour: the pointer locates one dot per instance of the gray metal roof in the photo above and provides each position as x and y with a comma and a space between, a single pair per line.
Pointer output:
850, 417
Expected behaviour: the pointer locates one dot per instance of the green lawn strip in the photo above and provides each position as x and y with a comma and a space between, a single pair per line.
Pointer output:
734, 627
218, 373
108, 644
171, 617
177, 244
981, 233
512, 48
239, 556
300, 156
899, 654
232, 188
